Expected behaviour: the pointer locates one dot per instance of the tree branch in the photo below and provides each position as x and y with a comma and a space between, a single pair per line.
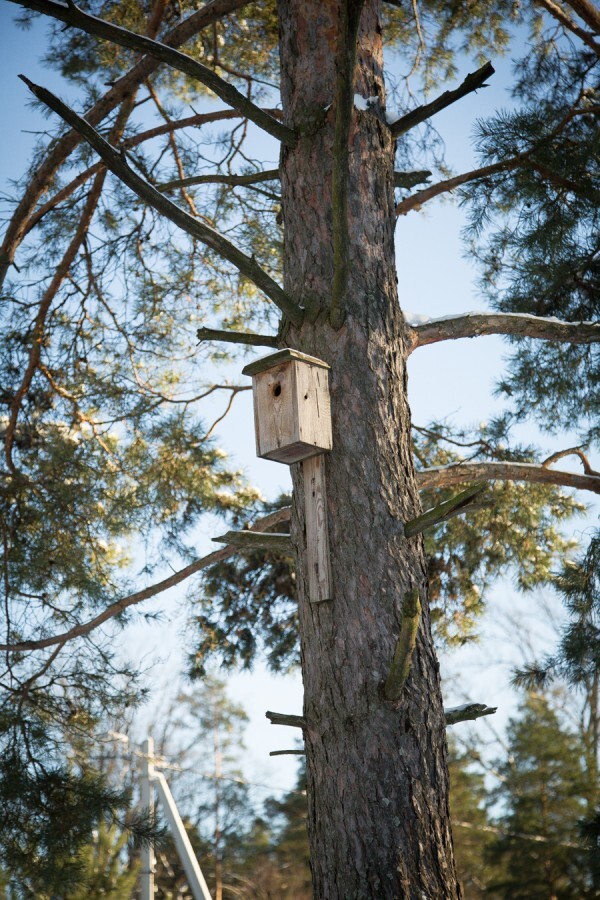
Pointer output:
119, 606
467, 712
133, 141
72, 15
237, 337
410, 179
588, 12
571, 451
350, 11
455, 506
287, 753
451, 328
250, 540
416, 201
286, 719
204, 233
458, 473
233, 180
472, 82
561, 16
64, 146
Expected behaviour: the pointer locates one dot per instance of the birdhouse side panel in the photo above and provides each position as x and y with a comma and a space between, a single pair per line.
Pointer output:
313, 407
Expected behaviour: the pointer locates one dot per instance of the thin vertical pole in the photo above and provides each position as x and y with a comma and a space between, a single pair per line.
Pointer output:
147, 797
195, 878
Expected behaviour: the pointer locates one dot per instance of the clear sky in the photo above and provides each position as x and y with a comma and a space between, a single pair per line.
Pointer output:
453, 379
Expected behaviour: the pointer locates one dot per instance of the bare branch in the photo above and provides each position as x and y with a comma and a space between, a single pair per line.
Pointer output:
119, 606
446, 510
458, 473
287, 753
416, 201
468, 712
122, 88
250, 540
572, 451
118, 165
472, 82
233, 180
588, 12
410, 179
73, 15
286, 719
468, 325
561, 16
237, 337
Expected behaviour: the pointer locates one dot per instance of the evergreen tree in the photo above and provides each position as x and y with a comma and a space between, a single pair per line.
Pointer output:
540, 789
104, 434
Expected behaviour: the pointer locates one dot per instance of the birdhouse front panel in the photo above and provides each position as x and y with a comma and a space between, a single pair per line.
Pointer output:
292, 413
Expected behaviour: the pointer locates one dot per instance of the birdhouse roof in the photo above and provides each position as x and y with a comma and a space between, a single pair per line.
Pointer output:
282, 356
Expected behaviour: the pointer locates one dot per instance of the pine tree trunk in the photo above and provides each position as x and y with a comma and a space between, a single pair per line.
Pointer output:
377, 775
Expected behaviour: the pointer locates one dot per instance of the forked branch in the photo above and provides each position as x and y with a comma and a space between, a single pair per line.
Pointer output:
72, 15
472, 82
451, 328
117, 164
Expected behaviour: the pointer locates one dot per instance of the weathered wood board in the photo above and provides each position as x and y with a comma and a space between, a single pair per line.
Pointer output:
317, 530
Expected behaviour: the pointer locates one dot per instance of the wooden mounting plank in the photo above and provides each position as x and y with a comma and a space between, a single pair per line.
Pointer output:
256, 540
317, 531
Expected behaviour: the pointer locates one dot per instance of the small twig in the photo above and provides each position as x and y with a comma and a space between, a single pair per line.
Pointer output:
572, 451
287, 753
472, 82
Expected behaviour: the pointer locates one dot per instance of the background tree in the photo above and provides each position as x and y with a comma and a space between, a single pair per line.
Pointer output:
111, 360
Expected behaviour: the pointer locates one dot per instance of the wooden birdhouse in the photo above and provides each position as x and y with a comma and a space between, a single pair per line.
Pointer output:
292, 418
292, 414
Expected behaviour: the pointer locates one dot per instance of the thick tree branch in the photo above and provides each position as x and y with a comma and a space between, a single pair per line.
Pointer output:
561, 16
72, 15
233, 180
468, 712
114, 161
276, 718
451, 328
459, 473
588, 12
472, 82
350, 11
115, 609
65, 145
237, 337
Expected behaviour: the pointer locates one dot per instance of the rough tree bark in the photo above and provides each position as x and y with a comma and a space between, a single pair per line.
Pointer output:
377, 778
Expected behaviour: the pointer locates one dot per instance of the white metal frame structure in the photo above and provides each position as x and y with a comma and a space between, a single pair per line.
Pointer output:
152, 779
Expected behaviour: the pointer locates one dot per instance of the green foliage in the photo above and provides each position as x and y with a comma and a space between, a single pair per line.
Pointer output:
540, 788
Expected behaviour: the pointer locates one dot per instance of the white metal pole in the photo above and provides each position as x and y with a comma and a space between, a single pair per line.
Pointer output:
195, 878
147, 797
